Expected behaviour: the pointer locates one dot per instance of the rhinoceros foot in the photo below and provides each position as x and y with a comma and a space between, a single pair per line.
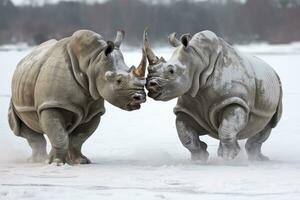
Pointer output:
201, 157
228, 151
78, 159
257, 157
55, 161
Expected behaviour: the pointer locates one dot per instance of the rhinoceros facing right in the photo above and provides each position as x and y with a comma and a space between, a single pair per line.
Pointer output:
221, 92
59, 90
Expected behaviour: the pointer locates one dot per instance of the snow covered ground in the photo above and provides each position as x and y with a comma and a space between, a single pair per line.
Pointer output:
142, 158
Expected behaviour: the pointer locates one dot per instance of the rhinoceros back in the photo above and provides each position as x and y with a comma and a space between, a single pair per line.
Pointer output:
23, 84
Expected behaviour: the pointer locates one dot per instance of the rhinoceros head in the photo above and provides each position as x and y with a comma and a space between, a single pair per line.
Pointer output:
169, 79
189, 66
102, 70
118, 84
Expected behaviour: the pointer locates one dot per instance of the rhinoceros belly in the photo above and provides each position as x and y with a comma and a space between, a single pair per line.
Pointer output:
208, 114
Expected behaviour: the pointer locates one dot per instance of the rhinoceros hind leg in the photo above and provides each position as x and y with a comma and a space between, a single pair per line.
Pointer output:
54, 123
253, 145
189, 131
78, 137
37, 143
234, 119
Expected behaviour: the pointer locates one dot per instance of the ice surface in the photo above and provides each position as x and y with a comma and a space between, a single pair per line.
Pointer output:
142, 158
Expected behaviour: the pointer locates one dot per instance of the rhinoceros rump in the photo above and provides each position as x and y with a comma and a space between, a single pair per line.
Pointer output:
59, 90
221, 92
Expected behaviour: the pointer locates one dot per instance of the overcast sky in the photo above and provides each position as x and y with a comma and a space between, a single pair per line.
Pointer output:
18, 2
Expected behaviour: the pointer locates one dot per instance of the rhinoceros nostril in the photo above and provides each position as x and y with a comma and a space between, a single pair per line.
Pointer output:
152, 84
137, 97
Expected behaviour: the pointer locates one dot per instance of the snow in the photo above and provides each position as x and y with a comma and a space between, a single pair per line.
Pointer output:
14, 47
142, 158
264, 48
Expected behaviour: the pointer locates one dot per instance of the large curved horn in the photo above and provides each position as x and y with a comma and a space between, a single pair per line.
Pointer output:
173, 41
140, 70
152, 58
119, 38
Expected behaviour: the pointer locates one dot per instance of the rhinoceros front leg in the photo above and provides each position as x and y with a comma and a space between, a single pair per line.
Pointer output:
253, 144
233, 120
78, 137
189, 131
54, 123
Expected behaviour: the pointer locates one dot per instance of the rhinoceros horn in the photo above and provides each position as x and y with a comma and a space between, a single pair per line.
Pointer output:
152, 58
173, 40
119, 38
140, 70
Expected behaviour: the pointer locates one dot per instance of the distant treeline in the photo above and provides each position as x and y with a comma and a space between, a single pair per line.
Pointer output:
274, 21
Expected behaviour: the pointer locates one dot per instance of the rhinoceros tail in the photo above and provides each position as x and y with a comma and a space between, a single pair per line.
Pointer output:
276, 117
13, 120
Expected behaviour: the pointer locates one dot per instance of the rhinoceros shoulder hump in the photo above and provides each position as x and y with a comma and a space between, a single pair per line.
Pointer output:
84, 40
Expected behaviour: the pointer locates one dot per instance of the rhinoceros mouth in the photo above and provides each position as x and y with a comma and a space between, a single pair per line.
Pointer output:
154, 95
133, 107
136, 102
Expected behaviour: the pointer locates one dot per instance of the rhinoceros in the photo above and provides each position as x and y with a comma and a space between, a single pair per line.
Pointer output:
59, 90
221, 92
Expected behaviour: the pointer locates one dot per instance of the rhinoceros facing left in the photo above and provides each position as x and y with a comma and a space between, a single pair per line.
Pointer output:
59, 90
221, 92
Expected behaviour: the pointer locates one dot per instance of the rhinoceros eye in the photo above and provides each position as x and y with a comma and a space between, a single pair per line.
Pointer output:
119, 80
171, 69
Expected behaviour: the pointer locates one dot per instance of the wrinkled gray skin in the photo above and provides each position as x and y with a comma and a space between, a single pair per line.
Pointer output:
59, 90
221, 92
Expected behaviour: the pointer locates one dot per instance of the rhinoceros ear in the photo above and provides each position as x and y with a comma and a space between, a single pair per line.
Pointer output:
185, 38
119, 38
109, 75
109, 48
173, 41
